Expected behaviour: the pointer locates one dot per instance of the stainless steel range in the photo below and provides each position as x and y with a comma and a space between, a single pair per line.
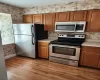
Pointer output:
66, 49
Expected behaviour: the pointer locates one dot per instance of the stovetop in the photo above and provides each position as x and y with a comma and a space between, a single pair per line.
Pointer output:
69, 43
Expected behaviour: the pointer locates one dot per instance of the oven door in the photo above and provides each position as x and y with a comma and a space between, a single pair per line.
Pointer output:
63, 51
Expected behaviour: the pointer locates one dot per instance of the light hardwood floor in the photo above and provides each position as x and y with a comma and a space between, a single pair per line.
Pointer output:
20, 68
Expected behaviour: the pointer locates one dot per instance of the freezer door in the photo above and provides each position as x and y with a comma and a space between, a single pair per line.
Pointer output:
25, 45
26, 29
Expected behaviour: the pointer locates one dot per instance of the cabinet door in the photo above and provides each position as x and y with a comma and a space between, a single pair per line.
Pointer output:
43, 52
49, 21
78, 15
93, 21
99, 64
90, 59
27, 19
37, 18
62, 16
90, 56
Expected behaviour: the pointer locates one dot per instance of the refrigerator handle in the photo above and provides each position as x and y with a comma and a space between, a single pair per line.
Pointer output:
32, 30
32, 40
32, 34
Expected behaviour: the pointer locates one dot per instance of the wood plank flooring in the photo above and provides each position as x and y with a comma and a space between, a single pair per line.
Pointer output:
21, 68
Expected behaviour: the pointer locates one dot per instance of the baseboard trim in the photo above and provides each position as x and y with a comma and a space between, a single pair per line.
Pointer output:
10, 56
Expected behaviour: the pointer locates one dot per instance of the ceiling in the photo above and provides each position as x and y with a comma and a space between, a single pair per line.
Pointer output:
35, 3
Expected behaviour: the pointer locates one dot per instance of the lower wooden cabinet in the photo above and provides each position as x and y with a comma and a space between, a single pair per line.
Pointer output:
43, 51
99, 64
90, 56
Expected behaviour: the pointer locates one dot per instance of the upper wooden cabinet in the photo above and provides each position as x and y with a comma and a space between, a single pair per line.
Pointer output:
49, 21
62, 16
91, 16
27, 19
93, 21
78, 15
90, 56
38, 18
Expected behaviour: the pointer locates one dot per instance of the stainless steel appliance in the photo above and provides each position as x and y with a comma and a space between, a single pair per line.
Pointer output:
3, 73
78, 26
66, 49
26, 37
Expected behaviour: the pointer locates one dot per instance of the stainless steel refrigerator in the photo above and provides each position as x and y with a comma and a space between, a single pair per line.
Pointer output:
26, 37
3, 73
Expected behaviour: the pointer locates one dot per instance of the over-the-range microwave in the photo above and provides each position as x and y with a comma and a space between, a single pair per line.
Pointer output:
78, 26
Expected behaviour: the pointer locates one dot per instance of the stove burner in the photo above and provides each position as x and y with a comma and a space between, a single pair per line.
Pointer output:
70, 43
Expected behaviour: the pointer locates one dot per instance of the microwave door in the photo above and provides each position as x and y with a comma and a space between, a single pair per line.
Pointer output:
65, 28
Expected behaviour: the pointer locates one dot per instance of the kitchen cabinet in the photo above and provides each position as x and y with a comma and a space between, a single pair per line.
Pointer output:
92, 17
90, 56
99, 64
78, 15
49, 21
62, 16
27, 19
38, 18
43, 49
93, 21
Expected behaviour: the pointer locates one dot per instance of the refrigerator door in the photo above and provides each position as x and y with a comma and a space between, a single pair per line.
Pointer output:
3, 73
25, 45
24, 29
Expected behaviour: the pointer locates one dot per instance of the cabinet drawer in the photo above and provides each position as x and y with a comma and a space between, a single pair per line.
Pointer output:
43, 43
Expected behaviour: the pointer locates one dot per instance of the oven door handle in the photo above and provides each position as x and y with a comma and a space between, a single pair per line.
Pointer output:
64, 46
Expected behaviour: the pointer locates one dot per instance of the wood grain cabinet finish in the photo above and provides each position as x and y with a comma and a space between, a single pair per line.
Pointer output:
43, 51
49, 21
99, 64
91, 16
27, 19
90, 56
93, 21
38, 18
62, 16
78, 15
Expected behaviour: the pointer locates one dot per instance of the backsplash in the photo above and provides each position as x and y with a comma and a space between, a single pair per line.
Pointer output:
90, 36
73, 6
15, 12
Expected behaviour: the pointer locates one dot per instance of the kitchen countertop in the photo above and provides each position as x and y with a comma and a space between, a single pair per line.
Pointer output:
46, 40
91, 43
